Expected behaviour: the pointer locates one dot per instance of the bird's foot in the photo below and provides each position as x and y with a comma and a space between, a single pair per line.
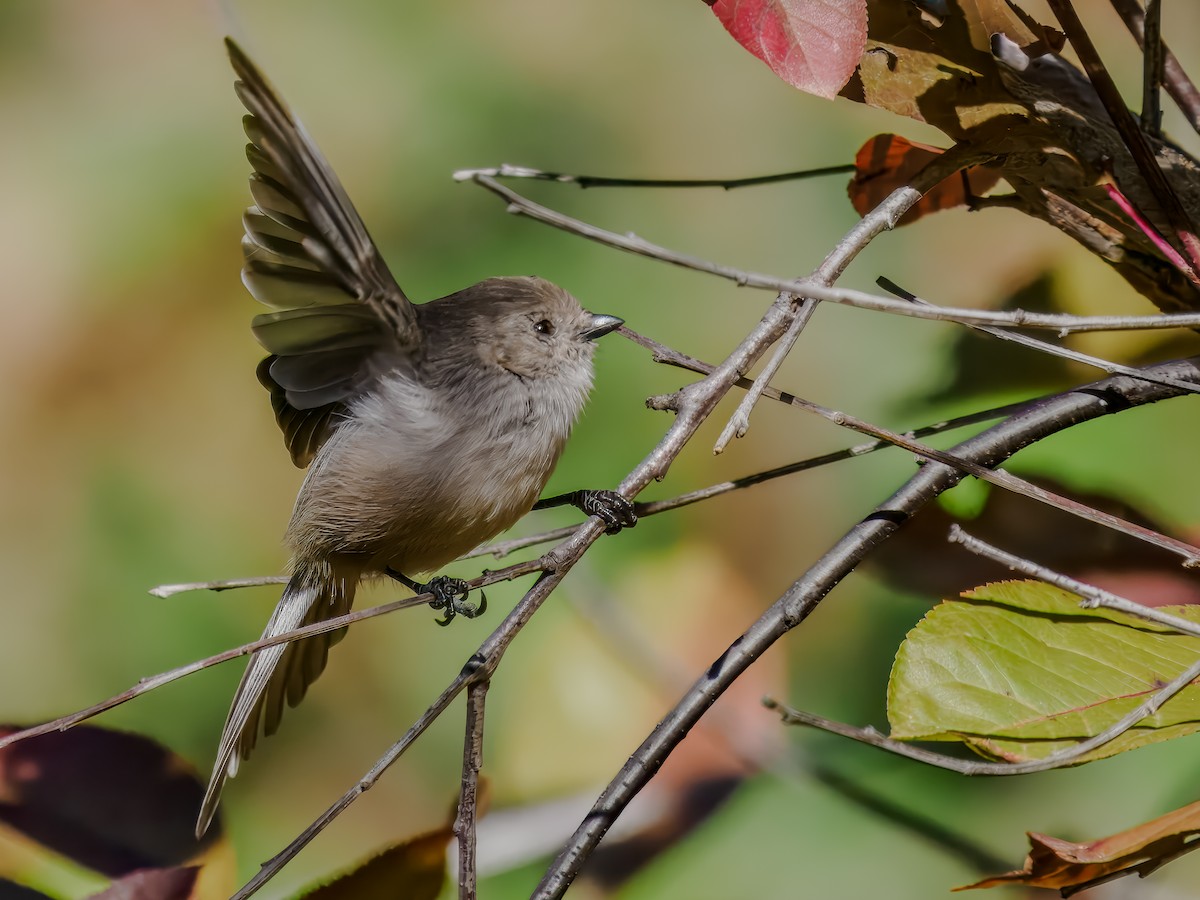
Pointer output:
610, 507
449, 594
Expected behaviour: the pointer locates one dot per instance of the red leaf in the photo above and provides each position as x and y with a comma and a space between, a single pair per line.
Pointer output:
813, 45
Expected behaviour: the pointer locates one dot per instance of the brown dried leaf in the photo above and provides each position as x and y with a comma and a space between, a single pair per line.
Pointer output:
412, 870
1071, 867
918, 559
888, 161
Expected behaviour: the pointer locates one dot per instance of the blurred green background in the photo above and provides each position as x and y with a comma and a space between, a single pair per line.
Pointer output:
138, 448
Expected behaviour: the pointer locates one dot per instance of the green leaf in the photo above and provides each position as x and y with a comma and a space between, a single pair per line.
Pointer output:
1017, 670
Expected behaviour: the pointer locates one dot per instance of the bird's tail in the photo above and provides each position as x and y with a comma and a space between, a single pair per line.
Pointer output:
278, 673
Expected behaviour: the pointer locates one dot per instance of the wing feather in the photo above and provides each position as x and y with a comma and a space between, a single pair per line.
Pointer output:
339, 317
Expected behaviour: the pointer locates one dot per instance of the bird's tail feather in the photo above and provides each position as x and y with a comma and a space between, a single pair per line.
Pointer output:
278, 673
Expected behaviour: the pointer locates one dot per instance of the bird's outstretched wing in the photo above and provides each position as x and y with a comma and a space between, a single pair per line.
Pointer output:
338, 313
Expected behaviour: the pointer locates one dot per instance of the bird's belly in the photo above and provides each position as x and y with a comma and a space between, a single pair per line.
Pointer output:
415, 509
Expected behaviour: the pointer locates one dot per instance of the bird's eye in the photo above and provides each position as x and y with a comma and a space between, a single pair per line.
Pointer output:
545, 326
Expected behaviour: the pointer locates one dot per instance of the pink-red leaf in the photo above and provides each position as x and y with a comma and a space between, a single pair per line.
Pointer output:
813, 45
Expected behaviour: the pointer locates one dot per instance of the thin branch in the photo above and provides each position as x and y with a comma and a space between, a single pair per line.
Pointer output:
468, 801
645, 659
739, 422
228, 584
1152, 68
1093, 596
1062, 323
988, 449
956, 159
1001, 478
1023, 340
1010, 482
592, 181
644, 509
1127, 128
152, 682
1178, 85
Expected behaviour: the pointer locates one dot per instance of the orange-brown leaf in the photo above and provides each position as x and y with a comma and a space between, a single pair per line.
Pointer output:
1069, 866
888, 161
412, 870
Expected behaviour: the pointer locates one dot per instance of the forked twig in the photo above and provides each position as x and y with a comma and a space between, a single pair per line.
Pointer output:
1062, 323
1024, 340
1093, 597
145, 685
1179, 86
593, 181
468, 802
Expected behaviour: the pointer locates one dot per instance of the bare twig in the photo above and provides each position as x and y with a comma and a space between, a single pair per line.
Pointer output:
591, 181
1092, 596
228, 584
1178, 85
1010, 482
1152, 68
468, 800
146, 685
1006, 480
1062, 323
987, 449
739, 422
1131, 135
644, 509
1023, 340
646, 659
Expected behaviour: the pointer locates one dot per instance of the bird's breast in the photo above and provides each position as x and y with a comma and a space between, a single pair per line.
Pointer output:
411, 481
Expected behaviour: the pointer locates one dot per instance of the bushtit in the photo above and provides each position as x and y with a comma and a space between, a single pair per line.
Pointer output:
426, 429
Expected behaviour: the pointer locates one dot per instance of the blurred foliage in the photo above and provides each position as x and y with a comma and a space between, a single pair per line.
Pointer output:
139, 448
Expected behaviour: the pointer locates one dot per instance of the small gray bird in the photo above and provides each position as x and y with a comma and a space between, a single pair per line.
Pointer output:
426, 429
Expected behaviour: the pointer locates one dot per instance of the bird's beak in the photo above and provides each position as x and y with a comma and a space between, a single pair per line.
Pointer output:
601, 325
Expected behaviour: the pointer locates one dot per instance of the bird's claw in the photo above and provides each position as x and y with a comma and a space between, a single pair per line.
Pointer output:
450, 594
610, 507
